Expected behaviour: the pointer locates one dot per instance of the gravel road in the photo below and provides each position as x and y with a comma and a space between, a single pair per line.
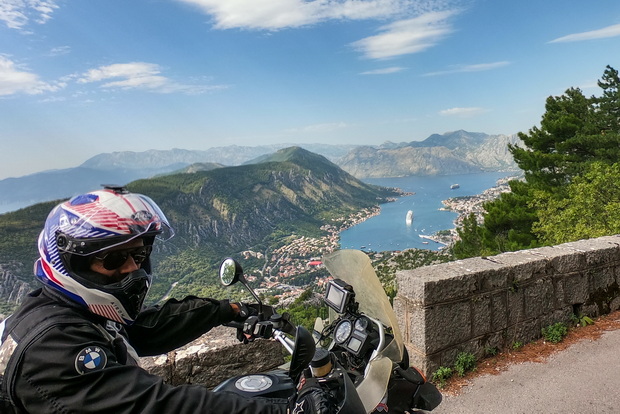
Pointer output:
585, 378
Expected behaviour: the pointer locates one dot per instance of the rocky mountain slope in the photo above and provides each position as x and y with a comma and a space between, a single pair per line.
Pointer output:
457, 152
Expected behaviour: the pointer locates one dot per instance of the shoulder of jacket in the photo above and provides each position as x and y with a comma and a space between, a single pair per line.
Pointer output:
44, 318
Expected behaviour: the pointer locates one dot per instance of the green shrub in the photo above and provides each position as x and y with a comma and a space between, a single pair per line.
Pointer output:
582, 320
465, 362
555, 333
491, 350
441, 376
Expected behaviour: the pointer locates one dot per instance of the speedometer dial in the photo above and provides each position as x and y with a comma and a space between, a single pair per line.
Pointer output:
343, 331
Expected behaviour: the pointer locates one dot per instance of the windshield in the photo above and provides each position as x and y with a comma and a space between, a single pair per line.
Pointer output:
354, 267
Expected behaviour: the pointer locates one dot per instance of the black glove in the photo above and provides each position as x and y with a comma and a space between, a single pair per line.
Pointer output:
254, 328
311, 398
246, 334
245, 311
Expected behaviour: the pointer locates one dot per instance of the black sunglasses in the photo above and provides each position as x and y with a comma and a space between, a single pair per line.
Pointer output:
116, 258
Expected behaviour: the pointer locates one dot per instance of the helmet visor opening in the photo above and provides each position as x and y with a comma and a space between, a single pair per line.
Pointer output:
116, 258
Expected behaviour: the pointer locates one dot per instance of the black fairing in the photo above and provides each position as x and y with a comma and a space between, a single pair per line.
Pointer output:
351, 402
303, 354
428, 397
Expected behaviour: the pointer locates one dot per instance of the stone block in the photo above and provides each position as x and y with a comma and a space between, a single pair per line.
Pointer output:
600, 277
563, 315
521, 266
481, 315
558, 289
562, 258
515, 306
400, 307
449, 281
499, 311
425, 363
575, 286
417, 332
450, 355
538, 298
449, 324
492, 341
600, 251
445, 290
524, 332
410, 282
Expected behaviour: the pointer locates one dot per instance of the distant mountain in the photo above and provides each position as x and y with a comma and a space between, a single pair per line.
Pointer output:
214, 213
126, 166
457, 152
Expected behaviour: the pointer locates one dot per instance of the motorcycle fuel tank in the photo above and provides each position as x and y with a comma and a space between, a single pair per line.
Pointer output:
274, 384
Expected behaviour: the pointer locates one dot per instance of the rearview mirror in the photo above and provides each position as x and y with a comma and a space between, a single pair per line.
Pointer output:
230, 272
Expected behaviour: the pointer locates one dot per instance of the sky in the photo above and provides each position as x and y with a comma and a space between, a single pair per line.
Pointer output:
84, 77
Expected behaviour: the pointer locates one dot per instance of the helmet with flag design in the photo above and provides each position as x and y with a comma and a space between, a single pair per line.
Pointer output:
89, 225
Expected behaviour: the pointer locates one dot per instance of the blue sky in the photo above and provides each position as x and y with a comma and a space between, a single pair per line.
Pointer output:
78, 78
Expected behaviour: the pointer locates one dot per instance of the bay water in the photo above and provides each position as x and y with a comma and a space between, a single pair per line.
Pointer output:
390, 231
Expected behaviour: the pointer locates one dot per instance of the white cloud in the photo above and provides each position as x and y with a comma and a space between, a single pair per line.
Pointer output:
422, 23
139, 75
384, 71
18, 13
280, 14
480, 67
463, 112
14, 80
609, 31
406, 36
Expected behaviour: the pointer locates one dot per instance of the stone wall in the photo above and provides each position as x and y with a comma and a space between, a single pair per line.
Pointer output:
478, 304
213, 358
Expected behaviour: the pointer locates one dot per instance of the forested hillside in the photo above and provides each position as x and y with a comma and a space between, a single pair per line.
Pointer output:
217, 213
571, 189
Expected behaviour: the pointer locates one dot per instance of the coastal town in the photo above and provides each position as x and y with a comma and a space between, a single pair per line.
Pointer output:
285, 272
464, 206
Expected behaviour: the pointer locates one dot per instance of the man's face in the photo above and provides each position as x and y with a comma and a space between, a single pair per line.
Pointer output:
125, 267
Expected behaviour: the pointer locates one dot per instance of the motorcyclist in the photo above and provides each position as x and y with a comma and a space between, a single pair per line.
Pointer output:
78, 338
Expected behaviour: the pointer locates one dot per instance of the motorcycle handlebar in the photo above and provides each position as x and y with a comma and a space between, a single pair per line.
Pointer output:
276, 329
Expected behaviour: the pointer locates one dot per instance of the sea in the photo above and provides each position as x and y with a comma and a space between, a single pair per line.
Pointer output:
390, 231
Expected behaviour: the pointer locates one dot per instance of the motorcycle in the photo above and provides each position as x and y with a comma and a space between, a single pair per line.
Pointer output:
360, 359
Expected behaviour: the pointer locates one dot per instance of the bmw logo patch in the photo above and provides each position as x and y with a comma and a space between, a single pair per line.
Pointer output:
90, 359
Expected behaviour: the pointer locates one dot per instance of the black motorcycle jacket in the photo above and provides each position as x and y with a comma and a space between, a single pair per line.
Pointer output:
64, 359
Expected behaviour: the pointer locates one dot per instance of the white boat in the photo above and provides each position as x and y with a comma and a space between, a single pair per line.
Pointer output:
409, 218
454, 186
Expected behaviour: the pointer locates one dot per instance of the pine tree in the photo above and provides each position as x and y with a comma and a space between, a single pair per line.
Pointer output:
575, 132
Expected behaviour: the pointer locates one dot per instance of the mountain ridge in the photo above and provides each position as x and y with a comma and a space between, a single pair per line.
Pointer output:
459, 152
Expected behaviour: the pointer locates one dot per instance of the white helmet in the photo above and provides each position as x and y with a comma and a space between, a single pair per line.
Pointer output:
87, 225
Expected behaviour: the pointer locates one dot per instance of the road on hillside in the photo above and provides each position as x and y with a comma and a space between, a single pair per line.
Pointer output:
585, 378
